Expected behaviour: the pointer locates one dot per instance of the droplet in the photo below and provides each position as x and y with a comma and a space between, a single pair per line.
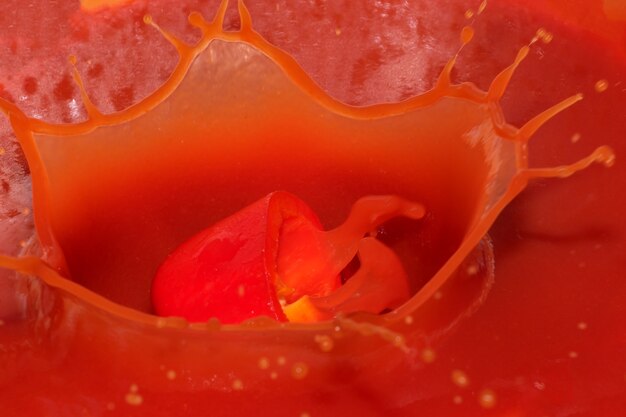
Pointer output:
281, 360
469, 14
472, 270
325, 342
171, 375
467, 33
548, 37
274, 375
408, 320
133, 397
575, 137
237, 385
264, 363
601, 86
299, 370
241, 291
572, 354
487, 399
428, 355
337, 31
457, 399
482, 7
543, 35
582, 325
460, 378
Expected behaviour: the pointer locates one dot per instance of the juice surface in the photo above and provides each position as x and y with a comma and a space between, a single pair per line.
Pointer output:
547, 339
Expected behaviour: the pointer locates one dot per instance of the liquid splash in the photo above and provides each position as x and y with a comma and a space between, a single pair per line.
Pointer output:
491, 145
505, 149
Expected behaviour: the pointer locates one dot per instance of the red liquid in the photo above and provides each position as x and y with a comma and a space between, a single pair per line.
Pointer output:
511, 339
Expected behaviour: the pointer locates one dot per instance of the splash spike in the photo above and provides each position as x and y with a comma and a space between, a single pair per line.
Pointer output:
244, 15
92, 111
530, 127
501, 82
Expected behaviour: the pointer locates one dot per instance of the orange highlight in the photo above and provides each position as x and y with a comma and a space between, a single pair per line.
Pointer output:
97, 5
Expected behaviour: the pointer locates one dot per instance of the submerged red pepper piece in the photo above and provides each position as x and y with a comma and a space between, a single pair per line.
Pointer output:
226, 270
273, 254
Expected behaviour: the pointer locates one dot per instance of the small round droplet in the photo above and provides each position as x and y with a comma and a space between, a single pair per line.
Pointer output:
572, 354
460, 378
487, 399
601, 86
171, 375
237, 385
457, 399
274, 375
325, 342
428, 355
264, 363
133, 397
147, 19
582, 325
408, 320
281, 360
299, 370
575, 137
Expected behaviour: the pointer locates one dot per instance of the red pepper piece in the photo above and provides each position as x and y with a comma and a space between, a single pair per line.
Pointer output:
274, 253
227, 271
